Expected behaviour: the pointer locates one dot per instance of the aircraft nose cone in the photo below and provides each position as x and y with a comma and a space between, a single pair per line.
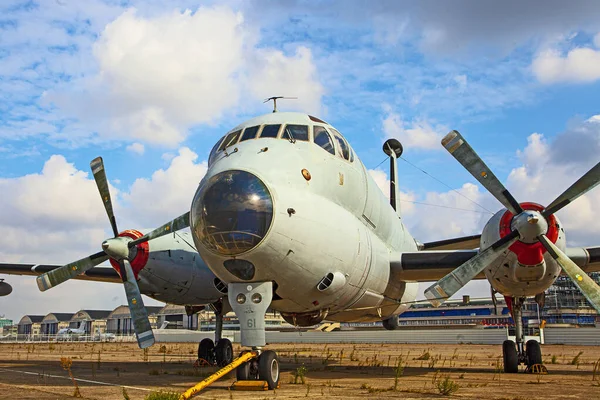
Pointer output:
231, 212
105, 245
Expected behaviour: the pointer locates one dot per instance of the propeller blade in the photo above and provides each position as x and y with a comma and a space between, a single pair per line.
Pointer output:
587, 182
97, 166
455, 280
183, 221
464, 154
66, 272
139, 315
586, 285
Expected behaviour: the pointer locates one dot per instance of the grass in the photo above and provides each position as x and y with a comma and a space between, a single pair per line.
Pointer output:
447, 386
424, 357
554, 359
161, 395
299, 375
576, 360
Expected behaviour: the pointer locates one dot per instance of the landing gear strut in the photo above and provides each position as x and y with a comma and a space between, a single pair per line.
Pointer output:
250, 302
520, 352
219, 352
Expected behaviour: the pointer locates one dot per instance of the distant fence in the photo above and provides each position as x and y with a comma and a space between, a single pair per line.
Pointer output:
569, 336
441, 336
575, 336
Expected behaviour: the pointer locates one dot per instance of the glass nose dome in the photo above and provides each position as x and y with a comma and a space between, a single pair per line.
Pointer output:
231, 212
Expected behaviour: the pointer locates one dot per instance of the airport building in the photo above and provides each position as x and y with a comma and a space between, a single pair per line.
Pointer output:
95, 320
177, 318
119, 320
5, 322
30, 325
54, 322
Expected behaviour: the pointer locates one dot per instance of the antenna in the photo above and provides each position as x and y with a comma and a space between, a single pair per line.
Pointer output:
274, 98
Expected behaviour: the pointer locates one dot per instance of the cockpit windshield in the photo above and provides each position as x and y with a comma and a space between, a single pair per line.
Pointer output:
324, 136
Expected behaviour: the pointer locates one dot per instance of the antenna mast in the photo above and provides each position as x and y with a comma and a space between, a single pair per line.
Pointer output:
274, 98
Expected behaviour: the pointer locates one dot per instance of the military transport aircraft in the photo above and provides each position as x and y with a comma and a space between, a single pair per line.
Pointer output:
288, 217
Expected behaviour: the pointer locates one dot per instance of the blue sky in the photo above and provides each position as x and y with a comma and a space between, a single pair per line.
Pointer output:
151, 87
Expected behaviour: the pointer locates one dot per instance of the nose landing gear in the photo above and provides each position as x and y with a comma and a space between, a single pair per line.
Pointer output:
250, 301
520, 352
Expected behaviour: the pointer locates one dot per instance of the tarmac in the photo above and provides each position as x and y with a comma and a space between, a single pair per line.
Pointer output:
411, 371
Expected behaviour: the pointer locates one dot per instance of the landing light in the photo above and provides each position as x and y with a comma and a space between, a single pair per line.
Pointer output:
241, 298
256, 298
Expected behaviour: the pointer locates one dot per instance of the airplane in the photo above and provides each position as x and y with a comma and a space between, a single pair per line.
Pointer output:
287, 217
68, 333
104, 337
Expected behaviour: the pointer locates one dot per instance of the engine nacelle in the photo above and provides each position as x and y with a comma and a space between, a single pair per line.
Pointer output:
525, 269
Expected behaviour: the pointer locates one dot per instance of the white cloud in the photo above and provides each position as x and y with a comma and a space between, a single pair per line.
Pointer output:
579, 65
136, 148
159, 76
56, 216
274, 73
419, 134
168, 193
406, 198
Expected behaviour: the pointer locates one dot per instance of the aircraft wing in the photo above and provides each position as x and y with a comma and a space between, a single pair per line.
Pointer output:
427, 266
98, 274
461, 243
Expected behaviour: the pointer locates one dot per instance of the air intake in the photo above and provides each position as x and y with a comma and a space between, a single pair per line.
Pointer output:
331, 282
220, 285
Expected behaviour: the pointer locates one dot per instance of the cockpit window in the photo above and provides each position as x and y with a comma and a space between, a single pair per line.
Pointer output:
249, 133
230, 140
213, 152
323, 139
296, 132
270, 131
345, 150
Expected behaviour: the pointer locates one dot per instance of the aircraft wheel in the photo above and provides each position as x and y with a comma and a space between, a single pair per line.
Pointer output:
534, 352
268, 368
206, 350
511, 359
391, 324
223, 352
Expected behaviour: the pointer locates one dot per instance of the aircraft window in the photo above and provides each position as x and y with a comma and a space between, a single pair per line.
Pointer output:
249, 133
351, 155
323, 139
213, 152
230, 139
270, 131
297, 132
343, 145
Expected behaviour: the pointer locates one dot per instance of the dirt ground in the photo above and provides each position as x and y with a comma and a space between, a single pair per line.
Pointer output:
33, 371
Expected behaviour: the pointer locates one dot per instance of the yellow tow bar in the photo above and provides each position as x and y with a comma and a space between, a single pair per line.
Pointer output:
219, 374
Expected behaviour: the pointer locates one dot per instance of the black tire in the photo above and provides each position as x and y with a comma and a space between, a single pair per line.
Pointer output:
534, 352
391, 324
268, 368
242, 373
510, 356
206, 350
223, 352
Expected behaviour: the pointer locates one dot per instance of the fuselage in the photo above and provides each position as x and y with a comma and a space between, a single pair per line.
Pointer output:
305, 215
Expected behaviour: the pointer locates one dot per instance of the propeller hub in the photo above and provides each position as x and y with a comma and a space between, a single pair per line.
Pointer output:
530, 224
116, 248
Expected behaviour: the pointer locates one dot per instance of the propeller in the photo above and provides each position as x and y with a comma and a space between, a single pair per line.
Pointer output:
118, 248
527, 225
464, 154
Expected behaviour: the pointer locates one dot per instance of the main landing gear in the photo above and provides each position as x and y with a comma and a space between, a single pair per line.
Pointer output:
250, 302
221, 353
517, 353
